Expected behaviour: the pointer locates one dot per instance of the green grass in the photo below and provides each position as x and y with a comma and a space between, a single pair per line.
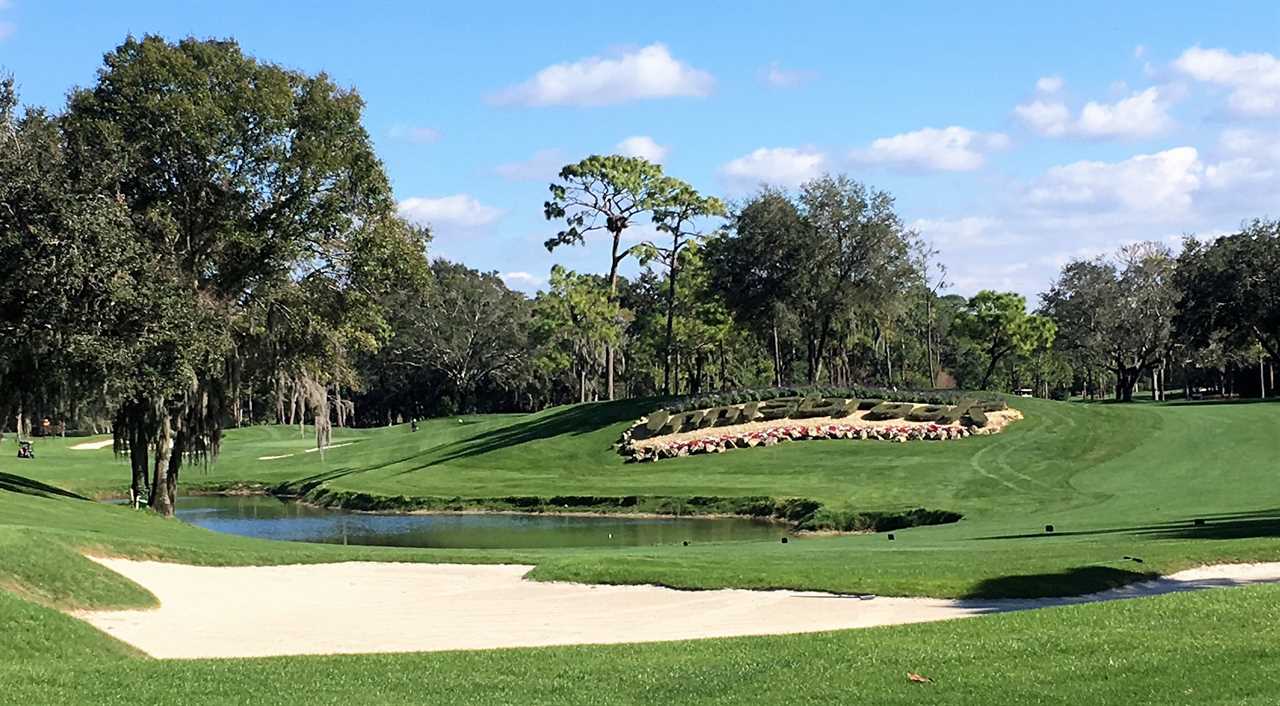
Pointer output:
1213, 647
1115, 480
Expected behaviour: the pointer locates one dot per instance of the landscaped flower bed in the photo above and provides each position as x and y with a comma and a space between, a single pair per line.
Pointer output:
654, 449
666, 435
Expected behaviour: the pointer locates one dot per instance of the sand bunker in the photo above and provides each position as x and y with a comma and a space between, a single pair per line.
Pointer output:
91, 445
387, 607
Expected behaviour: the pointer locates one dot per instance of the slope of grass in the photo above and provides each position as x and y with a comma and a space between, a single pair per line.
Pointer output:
1118, 482
1115, 481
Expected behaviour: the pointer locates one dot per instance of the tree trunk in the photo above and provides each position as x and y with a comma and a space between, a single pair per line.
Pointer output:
671, 311
613, 296
161, 501
139, 455
777, 358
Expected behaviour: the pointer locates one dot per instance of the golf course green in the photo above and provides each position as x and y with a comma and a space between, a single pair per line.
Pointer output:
1130, 491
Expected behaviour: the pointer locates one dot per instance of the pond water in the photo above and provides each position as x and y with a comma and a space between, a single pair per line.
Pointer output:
271, 518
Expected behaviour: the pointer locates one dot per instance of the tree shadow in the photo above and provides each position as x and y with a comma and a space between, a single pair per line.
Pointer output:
1231, 525
27, 486
571, 421
1070, 582
1217, 402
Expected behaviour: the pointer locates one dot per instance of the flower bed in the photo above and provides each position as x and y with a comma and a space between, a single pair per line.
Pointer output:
655, 449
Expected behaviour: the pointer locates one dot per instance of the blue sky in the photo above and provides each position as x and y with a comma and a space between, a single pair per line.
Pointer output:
1015, 136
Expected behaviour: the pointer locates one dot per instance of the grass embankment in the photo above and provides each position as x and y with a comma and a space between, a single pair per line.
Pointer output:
1116, 481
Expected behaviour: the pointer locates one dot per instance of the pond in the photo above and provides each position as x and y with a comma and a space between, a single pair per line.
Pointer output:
271, 518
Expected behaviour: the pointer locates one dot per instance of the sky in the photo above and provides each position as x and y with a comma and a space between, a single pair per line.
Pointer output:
1015, 136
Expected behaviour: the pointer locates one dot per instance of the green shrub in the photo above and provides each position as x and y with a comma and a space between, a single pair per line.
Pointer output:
847, 407
927, 413
956, 413
855, 521
657, 420
818, 407
778, 408
976, 417
728, 415
890, 410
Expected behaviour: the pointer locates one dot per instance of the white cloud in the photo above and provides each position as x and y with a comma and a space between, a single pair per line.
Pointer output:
1140, 51
1250, 160
521, 280
1049, 118
458, 210
1254, 79
649, 72
1157, 185
644, 147
1143, 114
544, 165
1140, 115
778, 77
6, 30
1253, 143
418, 135
1049, 84
779, 166
952, 149
965, 232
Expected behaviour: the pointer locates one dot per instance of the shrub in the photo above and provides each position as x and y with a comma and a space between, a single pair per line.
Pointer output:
778, 408
890, 410
957, 413
657, 420
927, 413
976, 417
818, 407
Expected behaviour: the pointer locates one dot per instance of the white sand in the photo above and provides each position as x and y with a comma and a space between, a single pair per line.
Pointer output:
386, 607
331, 446
91, 445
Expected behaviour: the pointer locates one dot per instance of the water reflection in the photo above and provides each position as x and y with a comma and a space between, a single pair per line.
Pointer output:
271, 518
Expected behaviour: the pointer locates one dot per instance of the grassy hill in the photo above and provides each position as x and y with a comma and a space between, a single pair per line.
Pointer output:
1117, 481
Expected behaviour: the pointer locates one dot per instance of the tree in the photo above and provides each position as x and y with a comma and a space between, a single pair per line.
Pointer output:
859, 254
1229, 287
757, 267
239, 177
467, 326
1116, 314
69, 271
607, 193
678, 218
998, 322
574, 323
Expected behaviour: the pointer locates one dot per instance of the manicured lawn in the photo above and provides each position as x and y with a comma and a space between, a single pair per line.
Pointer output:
1214, 647
1116, 481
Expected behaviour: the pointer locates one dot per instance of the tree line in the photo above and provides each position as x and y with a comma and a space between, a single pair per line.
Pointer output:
200, 240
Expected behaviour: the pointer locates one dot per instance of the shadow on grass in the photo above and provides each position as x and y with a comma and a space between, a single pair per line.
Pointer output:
1235, 525
27, 486
571, 421
1071, 582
